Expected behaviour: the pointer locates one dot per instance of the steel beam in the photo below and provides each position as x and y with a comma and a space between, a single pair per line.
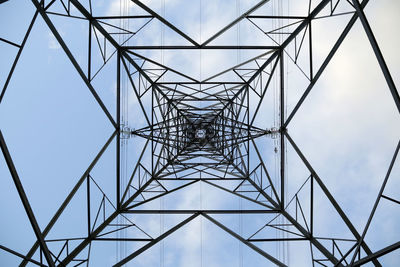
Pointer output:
361, 240
209, 47
233, 211
376, 255
60, 210
164, 21
107, 221
175, 154
244, 241
118, 143
25, 201
324, 64
74, 62
300, 228
21, 47
282, 129
333, 201
379, 56
21, 256
230, 25
156, 240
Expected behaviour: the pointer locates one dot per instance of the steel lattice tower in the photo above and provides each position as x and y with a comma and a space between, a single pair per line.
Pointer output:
200, 131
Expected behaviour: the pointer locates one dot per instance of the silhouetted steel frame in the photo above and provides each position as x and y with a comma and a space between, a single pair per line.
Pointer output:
125, 206
25, 201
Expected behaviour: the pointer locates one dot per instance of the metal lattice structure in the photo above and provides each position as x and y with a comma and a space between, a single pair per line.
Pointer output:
200, 131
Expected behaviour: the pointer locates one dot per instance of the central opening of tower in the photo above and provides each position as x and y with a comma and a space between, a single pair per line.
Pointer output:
200, 133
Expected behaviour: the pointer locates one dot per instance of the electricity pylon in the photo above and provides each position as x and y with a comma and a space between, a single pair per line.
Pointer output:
204, 131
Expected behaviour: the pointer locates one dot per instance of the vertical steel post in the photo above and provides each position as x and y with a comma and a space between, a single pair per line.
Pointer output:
282, 129
118, 143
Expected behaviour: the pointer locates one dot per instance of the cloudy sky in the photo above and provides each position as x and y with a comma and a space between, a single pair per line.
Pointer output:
347, 128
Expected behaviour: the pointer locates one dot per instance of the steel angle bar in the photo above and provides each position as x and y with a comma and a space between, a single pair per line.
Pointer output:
361, 240
164, 21
379, 56
282, 122
299, 227
74, 62
3, 91
376, 255
244, 241
156, 240
21, 255
107, 221
25, 201
210, 47
230, 25
324, 64
69, 197
191, 211
333, 201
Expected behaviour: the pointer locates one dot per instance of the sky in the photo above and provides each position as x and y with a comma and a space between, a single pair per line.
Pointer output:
347, 128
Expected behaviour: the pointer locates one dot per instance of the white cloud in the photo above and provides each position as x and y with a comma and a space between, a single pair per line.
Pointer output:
52, 41
344, 128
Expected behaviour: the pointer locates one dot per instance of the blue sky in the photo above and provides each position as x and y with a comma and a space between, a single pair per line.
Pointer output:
347, 128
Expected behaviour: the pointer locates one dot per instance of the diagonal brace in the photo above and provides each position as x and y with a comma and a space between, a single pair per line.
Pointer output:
25, 201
